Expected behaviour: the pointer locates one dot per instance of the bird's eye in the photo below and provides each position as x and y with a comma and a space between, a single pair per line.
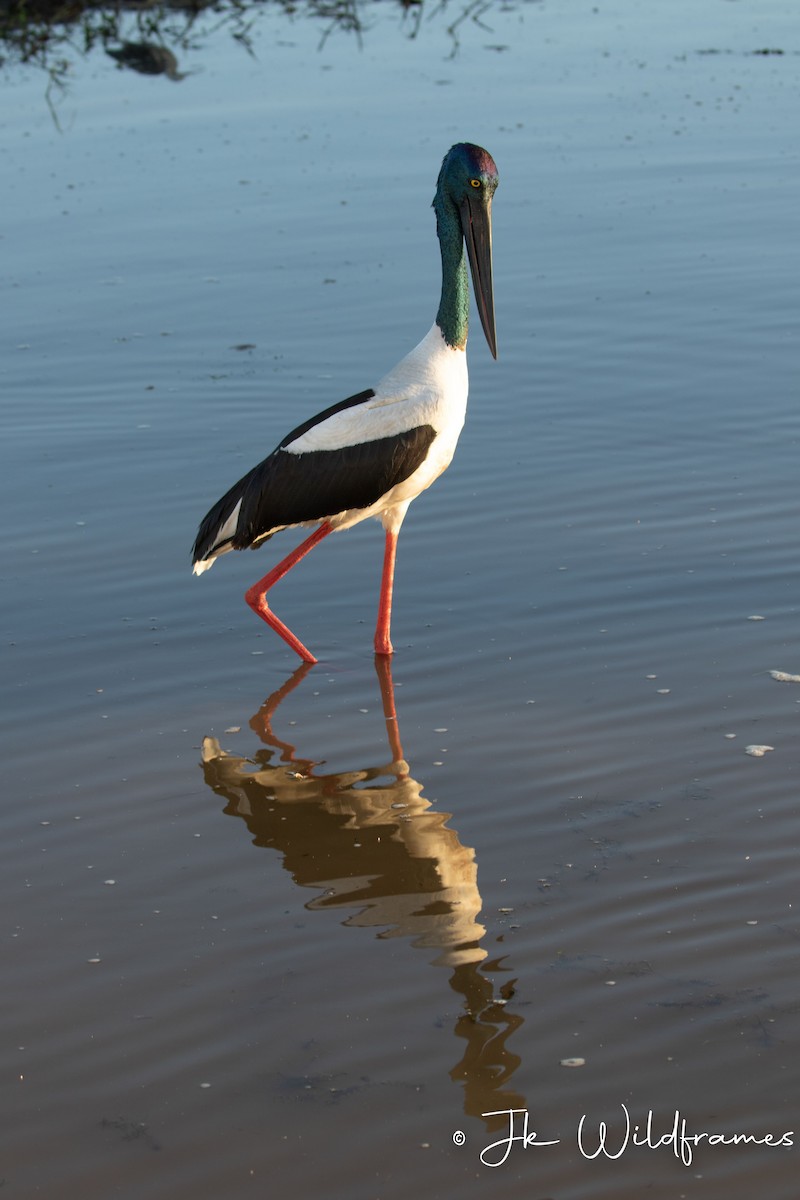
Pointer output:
475, 183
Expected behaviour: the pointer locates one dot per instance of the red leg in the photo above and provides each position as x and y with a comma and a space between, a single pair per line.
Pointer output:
383, 643
256, 596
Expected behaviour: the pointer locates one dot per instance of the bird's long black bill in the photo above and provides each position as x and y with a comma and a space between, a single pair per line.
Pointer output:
476, 222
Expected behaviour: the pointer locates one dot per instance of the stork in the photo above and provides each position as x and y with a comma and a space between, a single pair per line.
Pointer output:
373, 453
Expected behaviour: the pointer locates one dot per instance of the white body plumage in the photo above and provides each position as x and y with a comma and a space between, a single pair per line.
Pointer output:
428, 387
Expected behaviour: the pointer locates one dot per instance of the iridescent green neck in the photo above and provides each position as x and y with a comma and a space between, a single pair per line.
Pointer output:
453, 314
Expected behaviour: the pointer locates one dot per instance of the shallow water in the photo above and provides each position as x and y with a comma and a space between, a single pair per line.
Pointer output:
561, 849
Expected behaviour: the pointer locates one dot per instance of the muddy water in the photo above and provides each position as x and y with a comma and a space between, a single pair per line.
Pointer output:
280, 932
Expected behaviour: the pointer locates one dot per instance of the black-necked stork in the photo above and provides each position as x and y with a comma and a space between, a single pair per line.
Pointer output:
372, 454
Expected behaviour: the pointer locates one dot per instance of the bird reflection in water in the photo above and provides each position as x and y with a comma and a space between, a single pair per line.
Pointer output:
371, 842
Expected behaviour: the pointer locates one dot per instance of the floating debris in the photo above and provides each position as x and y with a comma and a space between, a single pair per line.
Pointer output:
758, 751
730, 736
785, 677
573, 1062
756, 617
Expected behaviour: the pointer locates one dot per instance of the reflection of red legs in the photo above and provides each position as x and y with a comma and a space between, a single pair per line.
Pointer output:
383, 644
261, 722
383, 669
256, 596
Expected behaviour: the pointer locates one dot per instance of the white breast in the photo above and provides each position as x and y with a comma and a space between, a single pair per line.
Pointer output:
428, 387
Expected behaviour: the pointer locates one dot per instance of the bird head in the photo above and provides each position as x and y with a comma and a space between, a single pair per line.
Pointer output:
467, 181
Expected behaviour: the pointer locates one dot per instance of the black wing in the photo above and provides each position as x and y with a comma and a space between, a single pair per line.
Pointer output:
289, 489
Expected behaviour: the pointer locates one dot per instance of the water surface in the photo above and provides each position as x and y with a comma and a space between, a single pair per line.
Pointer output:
257, 935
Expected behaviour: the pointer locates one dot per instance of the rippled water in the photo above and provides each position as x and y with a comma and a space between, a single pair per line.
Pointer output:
262, 937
